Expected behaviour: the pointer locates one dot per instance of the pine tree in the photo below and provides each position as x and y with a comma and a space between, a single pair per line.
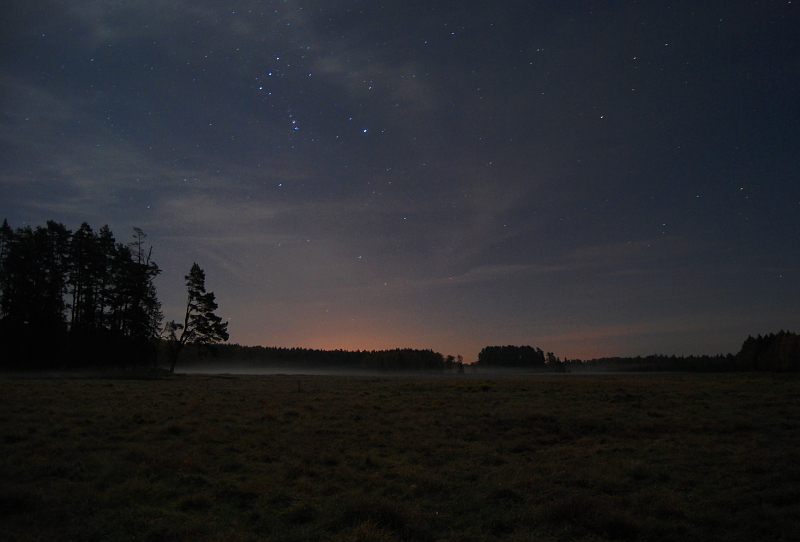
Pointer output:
200, 324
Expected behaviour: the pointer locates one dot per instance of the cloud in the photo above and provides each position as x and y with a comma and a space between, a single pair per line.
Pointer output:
65, 161
637, 257
401, 92
119, 22
484, 275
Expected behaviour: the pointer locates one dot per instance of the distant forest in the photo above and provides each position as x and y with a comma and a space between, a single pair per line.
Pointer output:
81, 299
777, 352
401, 359
774, 352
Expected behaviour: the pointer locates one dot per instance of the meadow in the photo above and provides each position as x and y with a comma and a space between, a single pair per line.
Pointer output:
461, 458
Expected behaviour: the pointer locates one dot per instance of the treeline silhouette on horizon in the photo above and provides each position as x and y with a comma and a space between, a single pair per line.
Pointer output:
399, 359
81, 299
774, 352
778, 352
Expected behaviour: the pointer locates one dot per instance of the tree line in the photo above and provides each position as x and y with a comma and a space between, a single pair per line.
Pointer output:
774, 352
778, 352
83, 299
518, 357
400, 359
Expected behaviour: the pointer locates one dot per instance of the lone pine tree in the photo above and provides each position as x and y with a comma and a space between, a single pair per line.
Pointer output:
200, 324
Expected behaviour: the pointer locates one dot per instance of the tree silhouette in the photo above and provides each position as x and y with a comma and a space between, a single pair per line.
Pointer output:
81, 298
200, 324
511, 356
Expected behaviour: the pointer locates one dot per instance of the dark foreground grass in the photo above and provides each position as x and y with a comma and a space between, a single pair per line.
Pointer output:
668, 457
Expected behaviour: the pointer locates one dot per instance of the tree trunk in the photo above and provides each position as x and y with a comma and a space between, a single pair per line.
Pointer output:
177, 352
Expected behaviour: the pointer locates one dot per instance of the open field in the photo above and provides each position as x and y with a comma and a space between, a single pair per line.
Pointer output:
652, 457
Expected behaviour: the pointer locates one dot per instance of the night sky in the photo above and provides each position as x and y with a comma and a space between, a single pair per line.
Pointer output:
592, 178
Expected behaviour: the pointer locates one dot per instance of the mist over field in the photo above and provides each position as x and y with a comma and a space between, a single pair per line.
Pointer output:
288, 370
470, 372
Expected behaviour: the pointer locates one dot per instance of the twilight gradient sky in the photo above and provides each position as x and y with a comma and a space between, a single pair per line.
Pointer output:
592, 178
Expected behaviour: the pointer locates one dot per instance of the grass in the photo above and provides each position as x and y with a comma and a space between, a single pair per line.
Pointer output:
285, 458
